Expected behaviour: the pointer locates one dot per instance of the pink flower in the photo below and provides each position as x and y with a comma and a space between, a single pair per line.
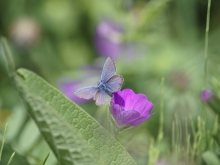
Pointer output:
130, 109
206, 95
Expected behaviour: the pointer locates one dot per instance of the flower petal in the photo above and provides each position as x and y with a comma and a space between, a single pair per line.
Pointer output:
122, 117
140, 120
148, 107
115, 110
127, 117
117, 99
129, 97
141, 103
132, 100
125, 94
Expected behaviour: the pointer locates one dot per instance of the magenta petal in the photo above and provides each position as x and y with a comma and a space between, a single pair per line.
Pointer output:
140, 120
116, 110
125, 94
127, 117
141, 103
130, 98
122, 117
117, 99
149, 106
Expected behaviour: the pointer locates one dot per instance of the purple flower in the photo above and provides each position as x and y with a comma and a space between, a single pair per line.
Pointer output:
130, 109
206, 95
108, 39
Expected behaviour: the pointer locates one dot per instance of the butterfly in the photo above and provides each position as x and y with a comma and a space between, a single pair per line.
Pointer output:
109, 83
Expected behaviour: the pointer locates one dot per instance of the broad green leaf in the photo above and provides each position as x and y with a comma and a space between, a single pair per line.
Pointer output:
73, 135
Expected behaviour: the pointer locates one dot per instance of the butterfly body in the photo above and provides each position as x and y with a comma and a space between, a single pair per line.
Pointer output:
108, 84
102, 86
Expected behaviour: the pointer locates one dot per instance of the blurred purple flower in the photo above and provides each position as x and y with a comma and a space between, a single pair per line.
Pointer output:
206, 95
108, 38
161, 163
180, 80
86, 73
67, 87
130, 109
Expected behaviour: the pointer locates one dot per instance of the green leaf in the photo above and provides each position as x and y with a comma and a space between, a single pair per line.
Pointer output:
210, 158
73, 135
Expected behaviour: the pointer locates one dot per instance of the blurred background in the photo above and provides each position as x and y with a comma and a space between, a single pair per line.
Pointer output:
67, 41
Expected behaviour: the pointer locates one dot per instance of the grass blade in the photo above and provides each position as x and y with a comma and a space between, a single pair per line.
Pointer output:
46, 158
9, 162
206, 42
160, 133
3, 141
7, 54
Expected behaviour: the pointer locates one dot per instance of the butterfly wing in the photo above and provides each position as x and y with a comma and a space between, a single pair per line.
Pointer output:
108, 70
101, 97
114, 83
87, 92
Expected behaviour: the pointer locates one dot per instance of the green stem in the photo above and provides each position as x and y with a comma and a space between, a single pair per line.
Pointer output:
7, 55
46, 158
3, 141
206, 42
9, 162
160, 133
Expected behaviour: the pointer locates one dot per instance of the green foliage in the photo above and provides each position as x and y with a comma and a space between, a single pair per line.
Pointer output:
191, 146
165, 39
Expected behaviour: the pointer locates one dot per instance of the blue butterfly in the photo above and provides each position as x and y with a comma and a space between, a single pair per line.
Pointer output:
108, 84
